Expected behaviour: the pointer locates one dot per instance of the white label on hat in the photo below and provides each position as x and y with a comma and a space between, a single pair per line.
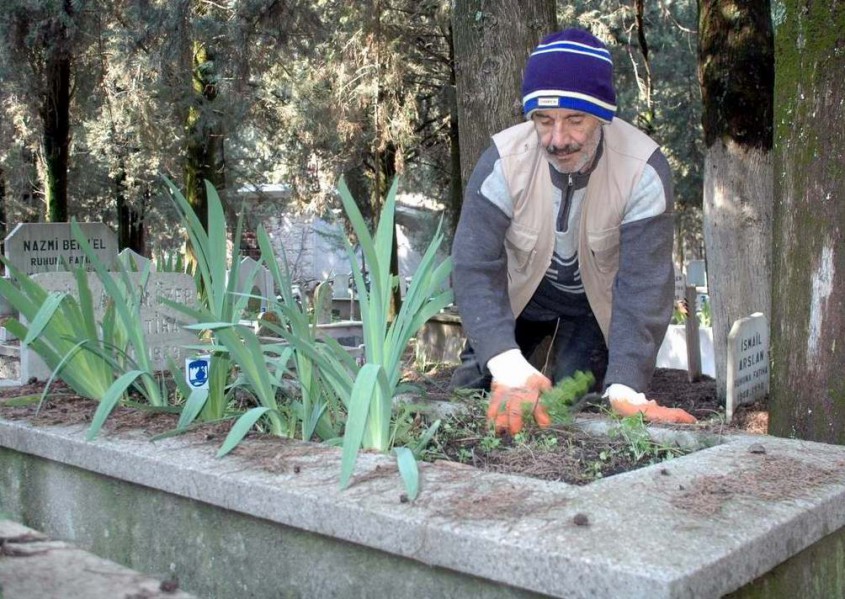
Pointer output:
547, 101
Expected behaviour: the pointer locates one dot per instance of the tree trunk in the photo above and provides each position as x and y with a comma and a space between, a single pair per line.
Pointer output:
808, 394
492, 40
55, 117
204, 154
3, 227
130, 221
736, 69
455, 184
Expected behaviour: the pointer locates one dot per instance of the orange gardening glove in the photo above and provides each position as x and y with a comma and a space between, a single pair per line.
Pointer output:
627, 402
515, 391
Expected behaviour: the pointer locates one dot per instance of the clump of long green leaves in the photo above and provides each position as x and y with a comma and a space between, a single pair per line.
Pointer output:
84, 352
370, 404
314, 360
59, 327
219, 313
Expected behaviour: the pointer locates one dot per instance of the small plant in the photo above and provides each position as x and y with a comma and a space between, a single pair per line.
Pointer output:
547, 442
633, 430
558, 400
490, 443
705, 315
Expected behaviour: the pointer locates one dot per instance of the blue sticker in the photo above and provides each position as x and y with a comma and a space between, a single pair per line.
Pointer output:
198, 372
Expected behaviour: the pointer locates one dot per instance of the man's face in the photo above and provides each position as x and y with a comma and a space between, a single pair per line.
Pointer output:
570, 137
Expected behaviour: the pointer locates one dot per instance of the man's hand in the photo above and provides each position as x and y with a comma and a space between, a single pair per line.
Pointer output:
627, 402
515, 391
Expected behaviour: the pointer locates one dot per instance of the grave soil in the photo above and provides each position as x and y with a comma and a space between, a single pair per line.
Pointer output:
561, 453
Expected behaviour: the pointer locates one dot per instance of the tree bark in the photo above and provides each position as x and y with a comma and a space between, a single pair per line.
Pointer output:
3, 226
736, 68
456, 195
492, 40
808, 394
204, 159
55, 117
130, 221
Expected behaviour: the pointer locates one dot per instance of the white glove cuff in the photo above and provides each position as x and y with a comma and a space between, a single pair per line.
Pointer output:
619, 392
510, 368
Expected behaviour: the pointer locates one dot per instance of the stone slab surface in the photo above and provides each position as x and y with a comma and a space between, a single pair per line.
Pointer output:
32, 566
702, 525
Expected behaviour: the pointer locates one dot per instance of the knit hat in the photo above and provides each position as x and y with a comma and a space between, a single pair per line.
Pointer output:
570, 69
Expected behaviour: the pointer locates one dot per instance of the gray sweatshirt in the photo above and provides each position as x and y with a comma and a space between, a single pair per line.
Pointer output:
642, 298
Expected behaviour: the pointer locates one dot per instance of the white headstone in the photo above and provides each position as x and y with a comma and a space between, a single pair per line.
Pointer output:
262, 282
748, 362
41, 247
133, 261
162, 325
323, 303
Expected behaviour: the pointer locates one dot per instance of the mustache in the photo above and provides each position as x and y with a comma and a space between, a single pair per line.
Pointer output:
564, 150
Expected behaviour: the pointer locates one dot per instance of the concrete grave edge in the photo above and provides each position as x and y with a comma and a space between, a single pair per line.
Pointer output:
636, 540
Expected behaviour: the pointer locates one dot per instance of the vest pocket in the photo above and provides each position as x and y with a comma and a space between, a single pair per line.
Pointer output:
604, 246
520, 242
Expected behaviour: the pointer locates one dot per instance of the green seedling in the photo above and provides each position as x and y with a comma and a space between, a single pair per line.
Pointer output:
558, 400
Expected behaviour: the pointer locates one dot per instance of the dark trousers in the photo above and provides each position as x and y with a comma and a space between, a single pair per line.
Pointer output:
577, 344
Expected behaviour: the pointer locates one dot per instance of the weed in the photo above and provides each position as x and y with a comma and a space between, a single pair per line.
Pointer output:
638, 442
558, 400
490, 443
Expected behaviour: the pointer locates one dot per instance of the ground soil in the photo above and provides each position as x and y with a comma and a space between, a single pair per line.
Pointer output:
562, 453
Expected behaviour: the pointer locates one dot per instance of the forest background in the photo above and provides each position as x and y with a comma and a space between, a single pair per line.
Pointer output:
99, 99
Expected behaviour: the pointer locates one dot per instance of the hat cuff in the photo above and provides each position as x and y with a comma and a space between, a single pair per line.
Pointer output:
601, 110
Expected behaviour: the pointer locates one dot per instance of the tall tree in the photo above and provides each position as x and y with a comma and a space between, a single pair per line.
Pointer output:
808, 395
492, 40
3, 227
736, 68
204, 155
42, 39
55, 108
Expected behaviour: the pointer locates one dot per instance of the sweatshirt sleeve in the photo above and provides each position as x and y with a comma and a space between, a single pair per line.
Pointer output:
480, 278
643, 291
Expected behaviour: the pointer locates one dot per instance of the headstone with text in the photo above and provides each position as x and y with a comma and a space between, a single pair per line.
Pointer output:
680, 284
162, 325
748, 362
46, 247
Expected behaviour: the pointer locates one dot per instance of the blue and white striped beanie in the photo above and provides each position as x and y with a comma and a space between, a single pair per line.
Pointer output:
570, 69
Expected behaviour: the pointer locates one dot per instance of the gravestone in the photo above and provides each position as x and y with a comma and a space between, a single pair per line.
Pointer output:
161, 324
696, 273
323, 303
262, 283
748, 362
42, 247
680, 285
133, 261
440, 340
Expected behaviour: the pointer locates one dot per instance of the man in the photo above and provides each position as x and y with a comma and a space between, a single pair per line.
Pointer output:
566, 230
